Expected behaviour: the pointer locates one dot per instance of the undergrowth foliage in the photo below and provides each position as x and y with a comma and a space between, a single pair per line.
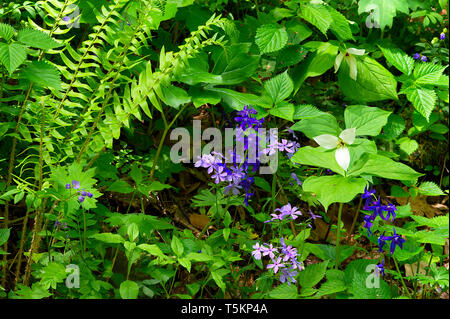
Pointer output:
93, 205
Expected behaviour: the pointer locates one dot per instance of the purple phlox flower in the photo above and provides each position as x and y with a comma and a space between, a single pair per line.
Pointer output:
285, 145
81, 198
257, 252
271, 149
288, 251
269, 250
416, 56
287, 275
396, 240
313, 216
382, 240
297, 264
237, 173
442, 36
276, 265
89, 194
83, 193
424, 58
199, 251
379, 269
219, 175
67, 186
66, 18
296, 179
75, 184
289, 210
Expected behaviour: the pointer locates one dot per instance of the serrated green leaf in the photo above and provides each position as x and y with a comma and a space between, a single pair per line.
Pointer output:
318, 16
37, 39
12, 56
284, 291
6, 31
367, 120
42, 74
399, 59
312, 274
279, 87
423, 100
271, 38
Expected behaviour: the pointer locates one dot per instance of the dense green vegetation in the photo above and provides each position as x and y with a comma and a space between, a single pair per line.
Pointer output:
339, 190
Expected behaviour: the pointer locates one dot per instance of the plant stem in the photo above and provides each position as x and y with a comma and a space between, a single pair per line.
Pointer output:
338, 235
356, 216
401, 277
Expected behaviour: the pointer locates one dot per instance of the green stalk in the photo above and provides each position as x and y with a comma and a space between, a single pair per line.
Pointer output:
338, 235
401, 277
356, 216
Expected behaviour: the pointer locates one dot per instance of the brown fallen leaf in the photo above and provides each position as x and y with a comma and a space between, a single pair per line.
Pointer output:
198, 220
419, 205
411, 269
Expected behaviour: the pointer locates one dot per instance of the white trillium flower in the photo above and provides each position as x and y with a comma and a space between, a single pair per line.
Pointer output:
348, 55
342, 154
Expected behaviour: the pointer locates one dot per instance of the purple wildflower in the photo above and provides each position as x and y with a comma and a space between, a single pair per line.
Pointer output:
276, 265
416, 56
442, 36
269, 250
66, 19
257, 252
313, 216
81, 198
288, 276
75, 184
294, 176
424, 58
396, 240
379, 269
89, 194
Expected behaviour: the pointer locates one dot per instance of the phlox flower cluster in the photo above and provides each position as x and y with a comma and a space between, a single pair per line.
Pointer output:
287, 211
284, 260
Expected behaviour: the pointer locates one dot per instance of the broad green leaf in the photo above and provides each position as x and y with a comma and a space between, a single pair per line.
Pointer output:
284, 291
428, 73
430, 189
52, 274
283, 111
339, 25
317, 156
152, 250
305, 111
408, 145
200, 96
316, 64
133, 231
323, 124
120, 186
236, 100
423, 100
37, 39
328, 252
271, 38
312, 274
394, 127
4, 235
373, 82
334, 189
218, 280
383, 11
186, 263
279, 87
174, 96
331, 287
318, 16
381, 166
177, 246
367, 120
399, 59
136, 174
129, 290
42, 74
361, 290
12, 56
6, 31
108, 238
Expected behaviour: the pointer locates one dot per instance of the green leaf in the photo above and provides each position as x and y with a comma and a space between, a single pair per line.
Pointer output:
120, 186
4, 235
284, 291
361, 290
430, 189
317, 156
305, 111
381, 166
133, 231
367, 120
316, 64
331, 287
339, 25
108, 238
12, 56
312, 274
384, 11
285, 111
318, 16
177, 246
186, 263
428, 73
218, 280
237, 100
52, 274
136, 174
6, 31
174, 96
394, 127
271, 38
200, 96
407, 145
334, 189
37, 39
323, 124
129, 290
152, 250
373, 82
42, 74
279, 87
423, 100
399, 59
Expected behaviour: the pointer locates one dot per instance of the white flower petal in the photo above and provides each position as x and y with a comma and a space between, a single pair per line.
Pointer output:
338, 61
353, 67
342, 156
327, 141
356, 51
348, 135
